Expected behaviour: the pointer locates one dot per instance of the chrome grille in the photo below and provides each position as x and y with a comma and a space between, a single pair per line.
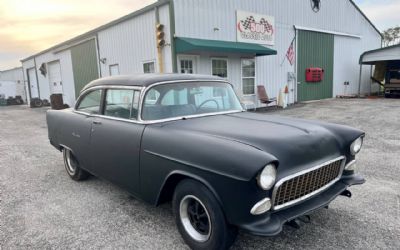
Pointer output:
295, 188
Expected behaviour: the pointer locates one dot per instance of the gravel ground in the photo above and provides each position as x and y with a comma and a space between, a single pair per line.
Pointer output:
42, 208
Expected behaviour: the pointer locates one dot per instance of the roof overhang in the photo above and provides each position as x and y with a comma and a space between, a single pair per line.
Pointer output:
391, 53
185, 45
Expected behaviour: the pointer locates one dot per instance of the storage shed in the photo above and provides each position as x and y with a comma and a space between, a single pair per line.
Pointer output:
12, 83
259, 42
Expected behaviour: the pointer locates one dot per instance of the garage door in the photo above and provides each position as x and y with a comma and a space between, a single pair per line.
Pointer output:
84, 64
55, 77
33, 86
314, 50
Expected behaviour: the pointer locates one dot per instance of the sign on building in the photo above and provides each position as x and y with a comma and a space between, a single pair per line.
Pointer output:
255, 28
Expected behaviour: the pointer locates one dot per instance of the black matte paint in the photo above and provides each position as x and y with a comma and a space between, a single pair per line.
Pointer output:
225, 152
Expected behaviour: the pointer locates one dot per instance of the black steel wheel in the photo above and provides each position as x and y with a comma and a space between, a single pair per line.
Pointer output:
72, 166
199, 217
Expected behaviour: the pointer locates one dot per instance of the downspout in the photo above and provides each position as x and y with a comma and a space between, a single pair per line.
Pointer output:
98, 54
172, 36
37, 78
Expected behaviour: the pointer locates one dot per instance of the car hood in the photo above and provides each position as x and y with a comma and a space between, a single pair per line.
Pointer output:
296, 143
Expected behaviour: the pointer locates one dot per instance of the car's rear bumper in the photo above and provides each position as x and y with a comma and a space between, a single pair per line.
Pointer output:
272, 225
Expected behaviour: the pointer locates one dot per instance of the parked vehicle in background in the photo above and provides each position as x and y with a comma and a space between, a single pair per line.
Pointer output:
392, 84
186, 138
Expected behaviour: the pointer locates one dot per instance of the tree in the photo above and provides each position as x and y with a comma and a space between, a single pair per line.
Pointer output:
391, 36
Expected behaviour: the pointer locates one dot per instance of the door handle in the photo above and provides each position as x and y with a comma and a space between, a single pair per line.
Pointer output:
97, 122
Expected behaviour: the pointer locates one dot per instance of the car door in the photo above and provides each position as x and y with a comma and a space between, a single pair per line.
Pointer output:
77, 127
116, 138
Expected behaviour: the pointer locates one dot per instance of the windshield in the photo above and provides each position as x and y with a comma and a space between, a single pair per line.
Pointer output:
188, 98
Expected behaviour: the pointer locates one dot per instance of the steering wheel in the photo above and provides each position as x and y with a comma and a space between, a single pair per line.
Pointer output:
208, 100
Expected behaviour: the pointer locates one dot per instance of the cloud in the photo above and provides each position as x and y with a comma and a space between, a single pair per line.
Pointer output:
28, 27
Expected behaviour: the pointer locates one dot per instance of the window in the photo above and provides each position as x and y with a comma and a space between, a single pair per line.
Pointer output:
148, 67
114, 70
186, 66
91, 102
248, 76
219, 67
189, 98
122, 103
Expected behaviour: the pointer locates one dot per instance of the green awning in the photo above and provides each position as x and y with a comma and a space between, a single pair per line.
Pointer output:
183, 45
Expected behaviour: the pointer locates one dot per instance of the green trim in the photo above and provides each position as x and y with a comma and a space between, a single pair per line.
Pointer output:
184, 45
376, 50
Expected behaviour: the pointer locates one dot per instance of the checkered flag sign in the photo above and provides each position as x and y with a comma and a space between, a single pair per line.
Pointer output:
290, 53
246, 23
268, 27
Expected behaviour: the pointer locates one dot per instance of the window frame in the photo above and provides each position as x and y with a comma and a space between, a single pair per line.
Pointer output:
113, 65
148, 62
82, 97
247, 77
106, 90
227, 66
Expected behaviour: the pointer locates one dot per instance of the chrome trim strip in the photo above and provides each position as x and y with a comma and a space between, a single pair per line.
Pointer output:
143, 91
351, 163
291, 203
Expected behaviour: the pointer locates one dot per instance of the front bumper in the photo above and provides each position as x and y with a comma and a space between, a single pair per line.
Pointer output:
272, 225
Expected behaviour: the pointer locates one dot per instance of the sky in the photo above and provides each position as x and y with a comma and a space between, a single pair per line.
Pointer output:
29, 26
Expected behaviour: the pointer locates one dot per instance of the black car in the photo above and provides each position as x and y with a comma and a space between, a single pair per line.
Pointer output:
186, 138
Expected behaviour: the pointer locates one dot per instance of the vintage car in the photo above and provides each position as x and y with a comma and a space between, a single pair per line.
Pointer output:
187, 138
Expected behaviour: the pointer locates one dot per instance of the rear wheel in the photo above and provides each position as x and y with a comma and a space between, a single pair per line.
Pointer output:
199, 217
72, 166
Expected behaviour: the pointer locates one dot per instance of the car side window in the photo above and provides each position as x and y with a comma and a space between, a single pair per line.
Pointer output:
122, 103
91, 102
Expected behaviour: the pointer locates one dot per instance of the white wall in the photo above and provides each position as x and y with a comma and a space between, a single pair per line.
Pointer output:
67, 75
197, 19
133, 42
15, 78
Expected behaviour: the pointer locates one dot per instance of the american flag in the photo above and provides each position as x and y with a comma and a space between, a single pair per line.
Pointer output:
290, 53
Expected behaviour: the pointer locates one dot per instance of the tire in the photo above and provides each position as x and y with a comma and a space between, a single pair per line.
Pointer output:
199, 217
72, 166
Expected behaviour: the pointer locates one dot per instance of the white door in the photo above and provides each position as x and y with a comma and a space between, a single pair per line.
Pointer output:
187, 65
54, 71
33, 83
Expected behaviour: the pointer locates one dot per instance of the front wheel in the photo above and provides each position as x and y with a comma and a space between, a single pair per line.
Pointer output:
199, 217
72, 166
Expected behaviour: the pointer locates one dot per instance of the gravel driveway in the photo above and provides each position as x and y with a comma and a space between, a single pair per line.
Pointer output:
41, 207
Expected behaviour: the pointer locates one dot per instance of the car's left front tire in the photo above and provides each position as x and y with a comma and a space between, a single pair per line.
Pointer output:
72, 166
200, 218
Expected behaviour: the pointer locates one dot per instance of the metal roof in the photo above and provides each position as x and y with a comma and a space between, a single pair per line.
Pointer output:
144, 80
390, 53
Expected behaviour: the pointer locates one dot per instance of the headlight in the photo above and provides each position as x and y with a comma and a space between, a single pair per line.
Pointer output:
267, 177
355, 147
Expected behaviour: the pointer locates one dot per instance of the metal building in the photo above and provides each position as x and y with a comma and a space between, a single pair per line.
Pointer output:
12, 83
258, 42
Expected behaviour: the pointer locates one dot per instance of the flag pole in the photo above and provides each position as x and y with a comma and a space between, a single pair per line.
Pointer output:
291, 43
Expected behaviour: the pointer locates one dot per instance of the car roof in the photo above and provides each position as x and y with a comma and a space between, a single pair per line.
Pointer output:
144, 80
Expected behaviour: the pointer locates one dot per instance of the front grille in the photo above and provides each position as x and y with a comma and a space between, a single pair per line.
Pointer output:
303, 185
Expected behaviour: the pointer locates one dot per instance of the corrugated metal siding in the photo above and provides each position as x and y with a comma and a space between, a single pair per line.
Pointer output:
66, 72
197, 19
314, 50
129, 44
15, 75
84, 64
